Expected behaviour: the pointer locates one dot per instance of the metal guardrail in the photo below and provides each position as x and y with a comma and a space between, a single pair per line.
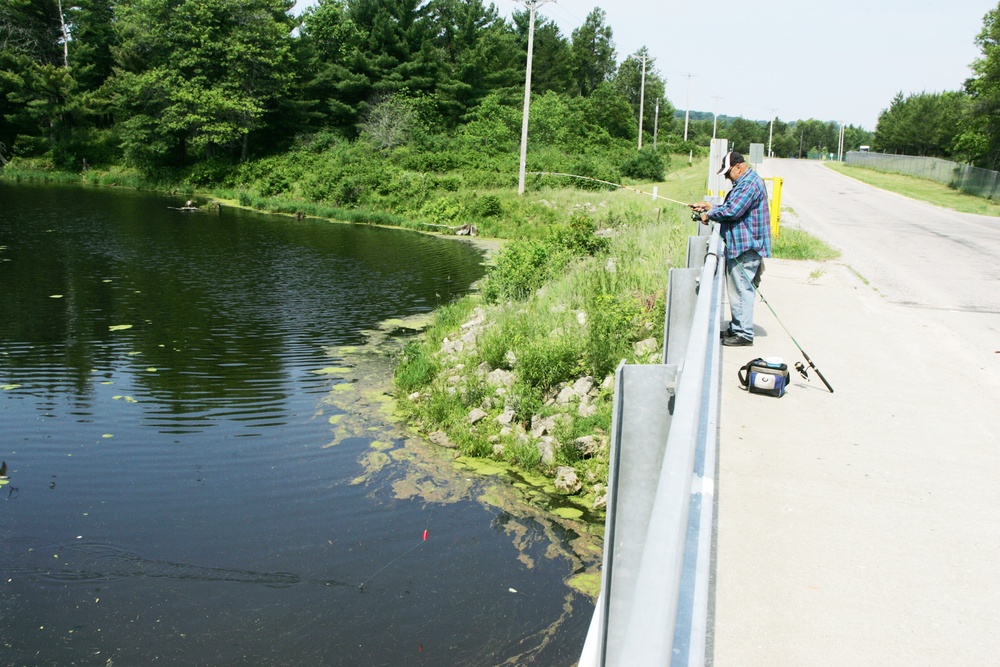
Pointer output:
654, 606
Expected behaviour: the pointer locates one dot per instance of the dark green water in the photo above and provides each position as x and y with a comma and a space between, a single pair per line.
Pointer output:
170, 498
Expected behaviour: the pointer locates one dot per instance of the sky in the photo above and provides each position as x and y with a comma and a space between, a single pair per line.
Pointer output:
839, 61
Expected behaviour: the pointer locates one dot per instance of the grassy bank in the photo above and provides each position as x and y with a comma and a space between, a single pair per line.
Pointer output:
922, 189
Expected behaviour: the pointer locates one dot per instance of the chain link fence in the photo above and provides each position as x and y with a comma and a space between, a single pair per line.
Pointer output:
964, 177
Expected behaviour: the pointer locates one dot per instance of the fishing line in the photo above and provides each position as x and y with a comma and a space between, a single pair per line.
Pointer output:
614, 185
801, 369
361, 586
425, 535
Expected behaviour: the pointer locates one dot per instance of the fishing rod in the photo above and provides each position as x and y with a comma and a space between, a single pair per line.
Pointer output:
798, 364
614, 185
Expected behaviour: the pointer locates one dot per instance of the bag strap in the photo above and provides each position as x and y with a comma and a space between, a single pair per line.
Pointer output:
744, 373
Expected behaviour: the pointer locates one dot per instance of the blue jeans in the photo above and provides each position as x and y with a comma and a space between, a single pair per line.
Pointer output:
740, 272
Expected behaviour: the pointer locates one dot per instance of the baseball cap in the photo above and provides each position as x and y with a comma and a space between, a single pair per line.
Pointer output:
732, 158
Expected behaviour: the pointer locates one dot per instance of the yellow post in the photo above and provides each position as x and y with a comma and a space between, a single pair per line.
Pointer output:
775, 205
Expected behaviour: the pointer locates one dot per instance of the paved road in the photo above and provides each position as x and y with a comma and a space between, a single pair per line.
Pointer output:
863, 527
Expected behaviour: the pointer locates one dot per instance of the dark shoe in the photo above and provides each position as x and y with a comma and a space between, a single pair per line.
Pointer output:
726, 332
736, 341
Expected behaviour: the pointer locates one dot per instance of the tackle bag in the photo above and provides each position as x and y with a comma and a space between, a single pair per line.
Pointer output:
765, 376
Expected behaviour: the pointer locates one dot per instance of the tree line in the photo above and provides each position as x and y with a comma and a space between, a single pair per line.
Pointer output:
961, 125
166, 85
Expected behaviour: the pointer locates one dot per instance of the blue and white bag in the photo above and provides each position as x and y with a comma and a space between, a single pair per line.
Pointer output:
765, 376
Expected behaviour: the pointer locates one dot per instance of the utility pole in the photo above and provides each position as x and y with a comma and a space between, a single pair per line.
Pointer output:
715, 122
642, 96
687, 104
656, 123
530, 5
770, 134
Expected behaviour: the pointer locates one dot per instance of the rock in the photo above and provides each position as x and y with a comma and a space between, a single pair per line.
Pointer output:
440, 438
542, 425
477, 415
500, 378
583, 385
609, 382
498, 449
587, 446
566, 482
600, 496
645, 347
566, 394
611, 267
505, 417
581, 318
510, 358
414, 396
586, 408
483, 369
547, 447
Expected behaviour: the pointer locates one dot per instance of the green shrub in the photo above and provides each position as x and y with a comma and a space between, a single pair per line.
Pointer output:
442, 211
522, 267
548, 360
487, 206
524, 455
578, 237
611, 323
416, 367
646, 165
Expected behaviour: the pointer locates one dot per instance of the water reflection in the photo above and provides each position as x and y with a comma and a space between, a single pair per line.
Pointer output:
183, 494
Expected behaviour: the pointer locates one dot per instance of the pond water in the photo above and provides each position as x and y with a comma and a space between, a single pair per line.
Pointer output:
182, 488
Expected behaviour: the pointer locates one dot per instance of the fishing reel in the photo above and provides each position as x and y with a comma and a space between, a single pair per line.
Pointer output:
801, 368
696, 216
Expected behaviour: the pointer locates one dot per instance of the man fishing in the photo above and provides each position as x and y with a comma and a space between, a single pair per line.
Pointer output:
745, 225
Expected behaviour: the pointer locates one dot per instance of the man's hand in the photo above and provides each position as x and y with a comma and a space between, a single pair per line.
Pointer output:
702, 207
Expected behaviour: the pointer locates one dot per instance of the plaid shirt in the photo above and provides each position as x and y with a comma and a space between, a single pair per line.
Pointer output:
745, 217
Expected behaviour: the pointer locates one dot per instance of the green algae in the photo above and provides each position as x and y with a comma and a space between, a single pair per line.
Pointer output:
587, 583
331, 370
568, 512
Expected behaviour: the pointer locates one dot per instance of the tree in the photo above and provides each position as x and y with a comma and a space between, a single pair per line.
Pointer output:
611, 110
593, 53
30, 38
981, 137
551, 65
815, 137
742, 132
921, 124
32, 28
629, 83
195, 78
93, 37
480, 54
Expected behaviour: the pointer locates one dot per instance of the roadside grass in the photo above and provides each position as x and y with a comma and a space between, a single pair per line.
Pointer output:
922, 189
794, 243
